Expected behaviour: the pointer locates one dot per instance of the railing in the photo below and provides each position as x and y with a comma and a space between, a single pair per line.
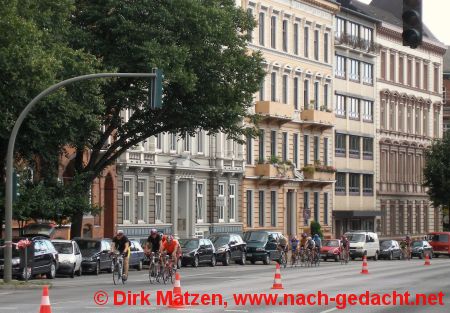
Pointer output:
357, 43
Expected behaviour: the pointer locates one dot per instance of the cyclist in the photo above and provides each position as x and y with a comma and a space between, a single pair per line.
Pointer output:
303, 242
318, 243
311, 247
294, 246
406, 247
171, 247
121, 244
345, 246
153, 242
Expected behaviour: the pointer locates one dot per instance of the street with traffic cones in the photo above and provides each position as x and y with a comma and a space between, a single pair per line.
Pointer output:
365, 267
45, 302
177, 302
277, 278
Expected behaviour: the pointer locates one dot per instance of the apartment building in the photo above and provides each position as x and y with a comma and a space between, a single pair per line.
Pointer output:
446, 91
409, 109
288, 170
354, 99
188, 186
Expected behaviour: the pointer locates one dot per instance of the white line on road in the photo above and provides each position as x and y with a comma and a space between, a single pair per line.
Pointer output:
329, 310
236, 310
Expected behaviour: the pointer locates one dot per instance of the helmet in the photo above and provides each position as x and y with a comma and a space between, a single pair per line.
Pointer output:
304, 235
169, 238
309, 238
153, 231
316, 236
120, 232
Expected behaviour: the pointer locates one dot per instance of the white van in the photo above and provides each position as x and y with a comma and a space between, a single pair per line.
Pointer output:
363, 243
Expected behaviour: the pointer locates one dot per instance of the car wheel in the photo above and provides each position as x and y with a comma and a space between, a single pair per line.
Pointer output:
213, 260
139, 266
243, 259
421, 255
52, 272
436, 255
391, 256
227, 259
266, 260
72, 273
252, 262
336, 258
196, 261
375, 257
79, 272
97, 268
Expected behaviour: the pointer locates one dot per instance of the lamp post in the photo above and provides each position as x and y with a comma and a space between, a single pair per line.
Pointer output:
7, 272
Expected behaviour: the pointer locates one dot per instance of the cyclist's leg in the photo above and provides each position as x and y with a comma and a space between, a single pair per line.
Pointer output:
125, 266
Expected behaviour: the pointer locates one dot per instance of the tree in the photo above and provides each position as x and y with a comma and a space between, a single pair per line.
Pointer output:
201, 46
316, 229
437, 171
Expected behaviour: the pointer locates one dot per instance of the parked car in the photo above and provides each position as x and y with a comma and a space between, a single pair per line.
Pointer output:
96, 255
229, 247
69, 256
363, 243
262, 246
196, 251
136, 255
42, 258
420, 248
142, 242
390, 249
440, 243
330, 249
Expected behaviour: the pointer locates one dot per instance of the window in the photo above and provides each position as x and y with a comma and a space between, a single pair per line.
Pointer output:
261, 90
273, 86
285, 35
306, 42
295, 152
340, 27
316, 148
354, 184
436, 124
340, 67
141, 200
353, 31
200, 147
425, 122
367, 110
341, 184
159, 141
354, 70
316, 207
306, 94
273, 32
383, 114
249, 208
340, 106
417, 74
261, 208
261, 146
316, 45
417, 120
158, 201
325, 96
401, 117
261, 29
367, 34
401, 74
249, 150
221, 196
273, 143
325, 207
383, 64
340, 145
306, 205
353, 111
425, 76
232, 203
250, 13
392, 68
436, 79
306, 148
367, 73
187, 142
273, 208
325, 47
127, 200
173, 142
285, 147
409, 72
316, 96
285, 88
354, 146
296, 35
199, 202
296, 93
367, 185
368, 148
410, 120
325, 151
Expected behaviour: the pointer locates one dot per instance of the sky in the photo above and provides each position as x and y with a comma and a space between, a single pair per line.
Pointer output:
435, 13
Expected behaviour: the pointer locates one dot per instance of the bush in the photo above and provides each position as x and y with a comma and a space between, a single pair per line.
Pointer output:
316, 229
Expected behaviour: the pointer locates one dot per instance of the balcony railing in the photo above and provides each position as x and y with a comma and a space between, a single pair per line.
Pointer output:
275, 110
323, 118
279, 171
357, 43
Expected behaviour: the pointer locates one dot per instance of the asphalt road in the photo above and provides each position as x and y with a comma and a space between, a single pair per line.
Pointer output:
77, 295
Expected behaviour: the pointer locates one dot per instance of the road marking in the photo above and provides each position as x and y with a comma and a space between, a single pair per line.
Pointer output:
236, 310
63, 302
329, 310
8, 308
6, 293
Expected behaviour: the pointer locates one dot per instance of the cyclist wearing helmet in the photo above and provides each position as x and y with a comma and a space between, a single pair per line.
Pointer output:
304, 240
153, 242
318, 242
310, 244
171, 247
121, 244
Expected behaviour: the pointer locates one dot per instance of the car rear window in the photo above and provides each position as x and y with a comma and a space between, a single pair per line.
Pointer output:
440, 238
63, 247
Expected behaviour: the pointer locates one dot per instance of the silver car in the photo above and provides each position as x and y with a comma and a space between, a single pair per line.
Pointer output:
69, 257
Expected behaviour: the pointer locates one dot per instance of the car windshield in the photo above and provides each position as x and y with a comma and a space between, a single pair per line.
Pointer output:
63, 247
386, 244
417, 244
255, 236
331, 243
440, 238
356, 237
188, 244
219, 241
89, 246
40, 229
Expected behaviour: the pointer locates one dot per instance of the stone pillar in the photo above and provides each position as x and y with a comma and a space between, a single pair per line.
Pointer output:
174, 196
192, 212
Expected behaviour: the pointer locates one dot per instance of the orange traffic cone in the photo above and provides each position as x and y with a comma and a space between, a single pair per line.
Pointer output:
427, 260
277, 278
45, 302
176, 304
365, 270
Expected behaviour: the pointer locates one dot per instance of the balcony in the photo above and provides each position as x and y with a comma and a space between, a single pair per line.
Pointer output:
278, 172
319, 175
357, 43
137, 158
276, 111
317, 119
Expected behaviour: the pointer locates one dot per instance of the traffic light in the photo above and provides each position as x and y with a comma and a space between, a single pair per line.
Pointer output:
16, 186
412, 23
156, 89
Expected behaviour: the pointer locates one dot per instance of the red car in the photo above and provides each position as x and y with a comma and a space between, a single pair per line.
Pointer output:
440, 241
330, 249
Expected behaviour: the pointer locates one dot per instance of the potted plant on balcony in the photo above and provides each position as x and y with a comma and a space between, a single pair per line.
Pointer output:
308, 170
274, 160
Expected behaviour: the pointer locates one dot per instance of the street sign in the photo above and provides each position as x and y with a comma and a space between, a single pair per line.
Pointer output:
156, 89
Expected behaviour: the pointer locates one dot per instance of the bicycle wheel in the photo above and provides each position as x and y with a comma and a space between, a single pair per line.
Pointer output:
115, 276
121, 274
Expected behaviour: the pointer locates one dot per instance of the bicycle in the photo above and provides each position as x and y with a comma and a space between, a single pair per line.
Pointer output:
295, 258
118, 268
303, 257
168, 270
283, 257
316, 257
309, 258
154, 270
344, 257
406, 253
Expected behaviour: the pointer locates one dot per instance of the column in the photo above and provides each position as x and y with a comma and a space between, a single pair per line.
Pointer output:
413, 217
192, 212
406, 218
293, 211
174, 196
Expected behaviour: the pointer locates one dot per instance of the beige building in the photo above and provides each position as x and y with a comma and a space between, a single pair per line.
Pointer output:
288, 174
409, 109
354, 98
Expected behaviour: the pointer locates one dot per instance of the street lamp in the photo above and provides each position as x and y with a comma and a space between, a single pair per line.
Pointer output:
7, 272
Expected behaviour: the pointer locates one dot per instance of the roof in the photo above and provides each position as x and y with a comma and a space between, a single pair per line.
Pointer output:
446, 61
